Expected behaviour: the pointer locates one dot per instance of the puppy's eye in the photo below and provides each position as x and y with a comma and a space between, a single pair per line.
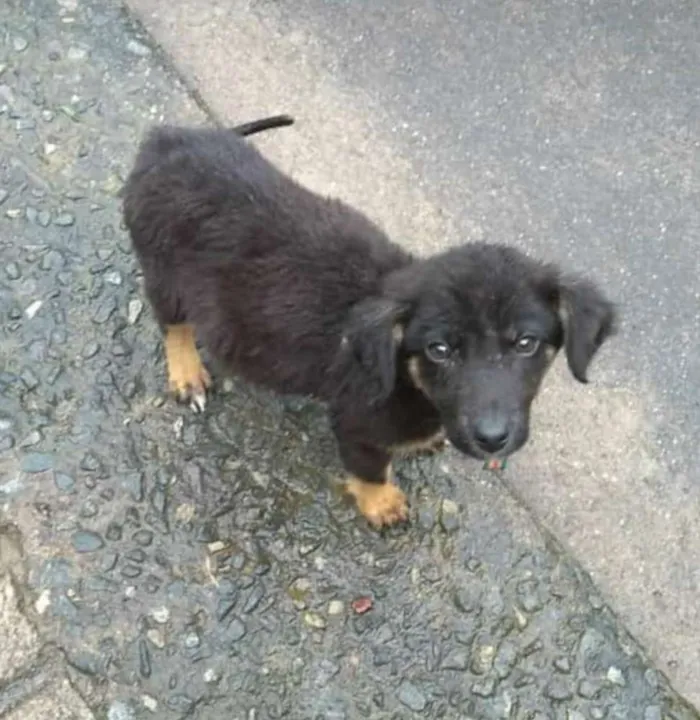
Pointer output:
527, 345
438, 352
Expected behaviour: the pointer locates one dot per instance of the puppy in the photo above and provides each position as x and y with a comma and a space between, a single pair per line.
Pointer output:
305, 295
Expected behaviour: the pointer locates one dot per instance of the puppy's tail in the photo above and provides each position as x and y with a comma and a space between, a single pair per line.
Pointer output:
256, 126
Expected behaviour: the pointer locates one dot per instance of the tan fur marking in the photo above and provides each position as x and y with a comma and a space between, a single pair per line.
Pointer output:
434, 443
414, 372
187, 375
382, 504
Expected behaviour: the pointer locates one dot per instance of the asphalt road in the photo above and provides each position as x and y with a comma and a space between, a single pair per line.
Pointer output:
569, 129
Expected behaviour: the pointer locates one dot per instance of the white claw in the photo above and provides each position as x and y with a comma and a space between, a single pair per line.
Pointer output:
198, 402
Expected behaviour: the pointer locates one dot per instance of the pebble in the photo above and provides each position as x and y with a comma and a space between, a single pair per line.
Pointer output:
455, 660
4, 194
77, 54
410, 696
104, 310
113, 277
64, 219
484, 688
615, 676
211, 676
33, 309
314, 620
563, 665
336, 607
86, 541
449, 515
33, 438
155, 637
161, 615
150, 703
36, 463
236, 630
138, 49
91, 349
119, 710
12, 271
19, 43
134, 310
558, 689
143, 537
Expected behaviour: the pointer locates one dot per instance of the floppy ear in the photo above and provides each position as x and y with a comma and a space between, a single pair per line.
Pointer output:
589, 319
371, 340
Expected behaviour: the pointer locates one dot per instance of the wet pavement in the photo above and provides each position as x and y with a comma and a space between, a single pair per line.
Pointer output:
170, 565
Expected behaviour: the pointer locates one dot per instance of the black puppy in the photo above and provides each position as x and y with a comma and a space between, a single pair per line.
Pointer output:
305, 295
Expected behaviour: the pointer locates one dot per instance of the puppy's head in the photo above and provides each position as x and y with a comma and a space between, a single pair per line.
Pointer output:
475, 329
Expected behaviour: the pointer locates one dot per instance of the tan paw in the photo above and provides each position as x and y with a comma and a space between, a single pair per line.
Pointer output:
383, 504
188, 379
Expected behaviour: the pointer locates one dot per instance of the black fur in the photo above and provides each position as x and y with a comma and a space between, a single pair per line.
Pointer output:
305, 295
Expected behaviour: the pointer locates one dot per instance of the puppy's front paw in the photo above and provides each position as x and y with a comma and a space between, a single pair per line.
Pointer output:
383, 504
188, 379
191, 386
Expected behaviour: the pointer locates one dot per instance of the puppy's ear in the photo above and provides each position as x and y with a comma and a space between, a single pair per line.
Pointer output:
371, 340
589, 319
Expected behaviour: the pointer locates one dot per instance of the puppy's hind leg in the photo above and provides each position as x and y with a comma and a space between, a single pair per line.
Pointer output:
187, 377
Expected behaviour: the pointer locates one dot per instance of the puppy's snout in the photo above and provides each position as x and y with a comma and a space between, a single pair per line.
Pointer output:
491, 433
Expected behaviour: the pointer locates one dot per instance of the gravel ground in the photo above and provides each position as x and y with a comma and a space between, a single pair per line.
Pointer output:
182, 566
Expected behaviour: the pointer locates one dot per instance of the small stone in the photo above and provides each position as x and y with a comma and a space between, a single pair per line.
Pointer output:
410, 696
586, 689
597, 713
33, 309
104, 310
449, 515
113, 277
138, 49
336, 607
119, 710
64, 219
150, 703
19, 43
90, 462
86, 541
12, 271
161, 615
482, 658
136, 555
77, 54
314, 620
211, 676
455, 660
4, 194
563, 665
615, 676
43, 218
467, 599
192, 640
33, 438
90, 349
44, 601
36, 463
143, 537
155, 637
131, 571
236, 630
484, 688
88, 509
134, 310
575, 715
652, 712
14, 213
30, 380
528, 596
558, 689
114, 531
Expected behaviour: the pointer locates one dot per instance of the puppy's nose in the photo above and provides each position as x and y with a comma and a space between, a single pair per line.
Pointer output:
491, 433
